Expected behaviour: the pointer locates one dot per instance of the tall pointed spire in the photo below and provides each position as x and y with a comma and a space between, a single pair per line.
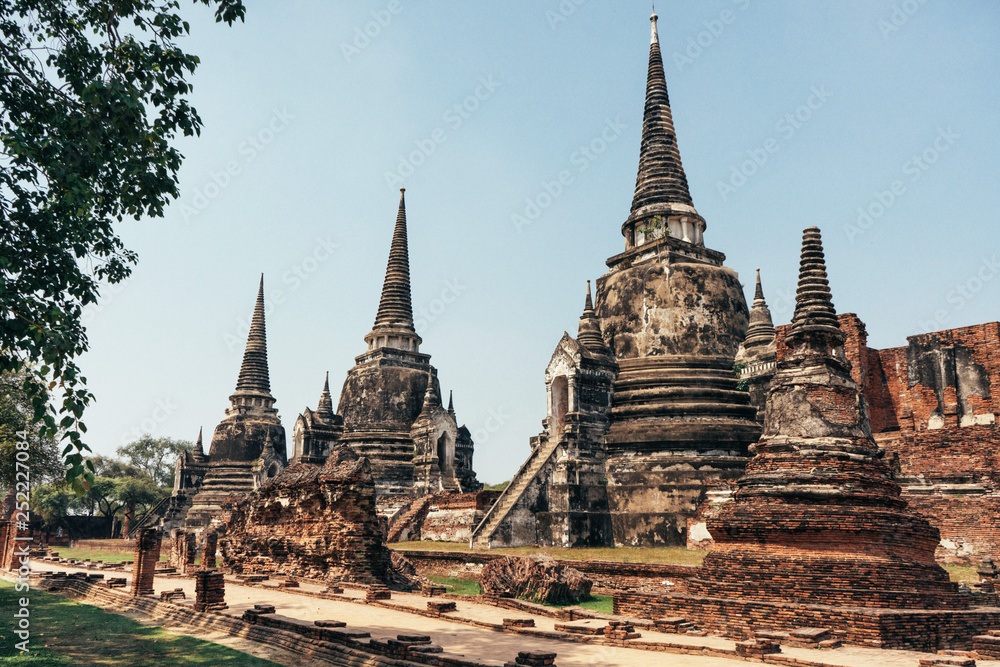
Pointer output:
761, 329
589, 332
394, 322
661, 178
395, 310
814, 312
253, 373
451, 403
325, 407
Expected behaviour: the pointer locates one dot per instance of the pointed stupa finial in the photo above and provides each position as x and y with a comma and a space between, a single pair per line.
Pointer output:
325, 407
661, 187
394, 321
431, 397
451, 403
815, 316
761, 329
198, 453
395, 309
254, 378
589, 331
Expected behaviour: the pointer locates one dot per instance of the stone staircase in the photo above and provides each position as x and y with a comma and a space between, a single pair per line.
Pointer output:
219, 483
414, 513
540, 456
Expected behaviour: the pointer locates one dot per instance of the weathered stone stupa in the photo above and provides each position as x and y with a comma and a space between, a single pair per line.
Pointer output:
817, 534
644, 412
673, 317
413, 446
248, 446
818, 518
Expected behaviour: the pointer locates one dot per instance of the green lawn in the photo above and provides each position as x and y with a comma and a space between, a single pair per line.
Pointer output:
458, 586
962, 574
67, 633
668, 555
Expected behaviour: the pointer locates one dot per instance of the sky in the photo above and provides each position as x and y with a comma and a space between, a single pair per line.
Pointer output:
875, 120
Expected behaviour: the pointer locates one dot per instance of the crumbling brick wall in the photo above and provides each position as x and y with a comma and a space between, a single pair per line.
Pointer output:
310, 521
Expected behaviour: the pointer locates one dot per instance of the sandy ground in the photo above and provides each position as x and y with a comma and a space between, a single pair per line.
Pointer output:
483, 643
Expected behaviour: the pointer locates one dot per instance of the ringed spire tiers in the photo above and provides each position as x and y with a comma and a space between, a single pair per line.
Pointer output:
662, 197
253, 387
393, 326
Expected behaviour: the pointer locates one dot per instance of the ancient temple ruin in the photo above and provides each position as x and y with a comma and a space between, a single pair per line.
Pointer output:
390, 411
248, 445
391, 400
818, 533
665, 419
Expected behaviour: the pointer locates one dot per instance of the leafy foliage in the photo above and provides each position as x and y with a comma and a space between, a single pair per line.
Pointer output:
154, 457
91, 95
44, 460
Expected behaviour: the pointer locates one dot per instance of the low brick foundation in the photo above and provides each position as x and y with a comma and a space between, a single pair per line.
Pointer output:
608, 576
878, 628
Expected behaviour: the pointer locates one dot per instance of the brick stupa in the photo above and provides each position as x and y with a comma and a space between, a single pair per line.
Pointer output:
817, 535
817, 517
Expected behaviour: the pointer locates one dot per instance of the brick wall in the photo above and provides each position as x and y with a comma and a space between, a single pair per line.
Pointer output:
147, 555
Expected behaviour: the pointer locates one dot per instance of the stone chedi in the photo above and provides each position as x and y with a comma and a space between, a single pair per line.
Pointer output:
390, 402
645, 397
818, 517
248, 446
310, 521
674, 317
817, 534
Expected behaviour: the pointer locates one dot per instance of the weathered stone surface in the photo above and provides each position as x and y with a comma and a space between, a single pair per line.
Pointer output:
534, 578
311, 521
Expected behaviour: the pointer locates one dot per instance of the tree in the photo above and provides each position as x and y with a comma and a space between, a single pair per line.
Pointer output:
154, 457
52, 502
92, 94
136, 493
43, 462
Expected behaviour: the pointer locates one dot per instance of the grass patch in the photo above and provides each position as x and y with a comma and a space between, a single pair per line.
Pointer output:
962, 574
667, 555
64, 632
600, 603
109, 556
458, 586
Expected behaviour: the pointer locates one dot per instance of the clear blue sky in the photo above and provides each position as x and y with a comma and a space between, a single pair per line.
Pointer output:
315, 122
